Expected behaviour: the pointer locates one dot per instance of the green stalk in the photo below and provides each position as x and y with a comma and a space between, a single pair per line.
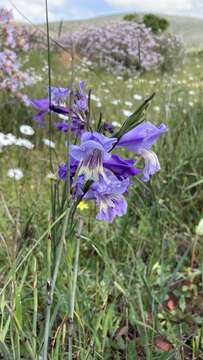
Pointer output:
74, 285
24, 338
52, 284
35, 296
69, 122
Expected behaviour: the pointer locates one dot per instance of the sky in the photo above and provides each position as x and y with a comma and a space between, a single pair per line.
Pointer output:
83, 9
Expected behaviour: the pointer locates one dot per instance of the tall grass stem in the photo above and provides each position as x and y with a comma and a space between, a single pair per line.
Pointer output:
51, 287
73, 293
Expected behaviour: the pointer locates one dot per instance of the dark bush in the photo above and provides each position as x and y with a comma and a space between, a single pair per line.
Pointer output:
156, 23
131, 17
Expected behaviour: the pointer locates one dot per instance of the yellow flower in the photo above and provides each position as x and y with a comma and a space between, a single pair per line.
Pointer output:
82, 206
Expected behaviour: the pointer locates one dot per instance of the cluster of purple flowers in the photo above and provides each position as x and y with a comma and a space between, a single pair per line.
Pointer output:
12, 40
94, 160
59, 105
125, 47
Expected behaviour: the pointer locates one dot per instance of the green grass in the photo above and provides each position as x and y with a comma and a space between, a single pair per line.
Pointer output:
138, 287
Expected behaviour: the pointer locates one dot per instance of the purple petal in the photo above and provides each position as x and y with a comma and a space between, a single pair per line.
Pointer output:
59, 109
62, 126
151, 164
42, 104
142, 136
120, 167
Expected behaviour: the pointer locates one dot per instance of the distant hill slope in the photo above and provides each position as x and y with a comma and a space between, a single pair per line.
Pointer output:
190, 28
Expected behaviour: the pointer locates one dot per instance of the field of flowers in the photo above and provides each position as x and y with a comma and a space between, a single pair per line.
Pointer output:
101, 219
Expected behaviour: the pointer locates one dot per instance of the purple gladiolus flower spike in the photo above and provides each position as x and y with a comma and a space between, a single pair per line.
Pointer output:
43, 106
62, 126
58, 105
59, 95
140, 141
121, 168
80, 99
109, 197
94, 149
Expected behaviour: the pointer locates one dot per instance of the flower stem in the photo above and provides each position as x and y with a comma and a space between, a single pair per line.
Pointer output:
51, 286
74, 285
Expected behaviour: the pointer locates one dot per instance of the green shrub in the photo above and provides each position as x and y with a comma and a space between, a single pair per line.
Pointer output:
156, 23
131, 17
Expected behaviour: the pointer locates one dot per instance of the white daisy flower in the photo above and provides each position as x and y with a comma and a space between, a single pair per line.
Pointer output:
24, 143
129, 103
49, 143
94, 97
115, 123
115, 102
137, 97
126, 112
7, 139
15, 173
27, 130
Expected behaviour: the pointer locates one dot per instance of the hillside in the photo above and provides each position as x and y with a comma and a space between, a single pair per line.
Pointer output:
191, 29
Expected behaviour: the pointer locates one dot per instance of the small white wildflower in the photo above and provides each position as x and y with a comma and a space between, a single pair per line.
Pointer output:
63, 117
49, 143
115, 123
199, 228
156, 108
15, 173
51, 176
128, 103
27, 130
24, 143
126, 112
94, 97
115, 102
89, 63
137, 97
7, 139
192, 92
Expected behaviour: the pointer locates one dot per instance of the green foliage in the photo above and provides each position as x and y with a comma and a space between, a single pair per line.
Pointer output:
156, 23
131, 17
